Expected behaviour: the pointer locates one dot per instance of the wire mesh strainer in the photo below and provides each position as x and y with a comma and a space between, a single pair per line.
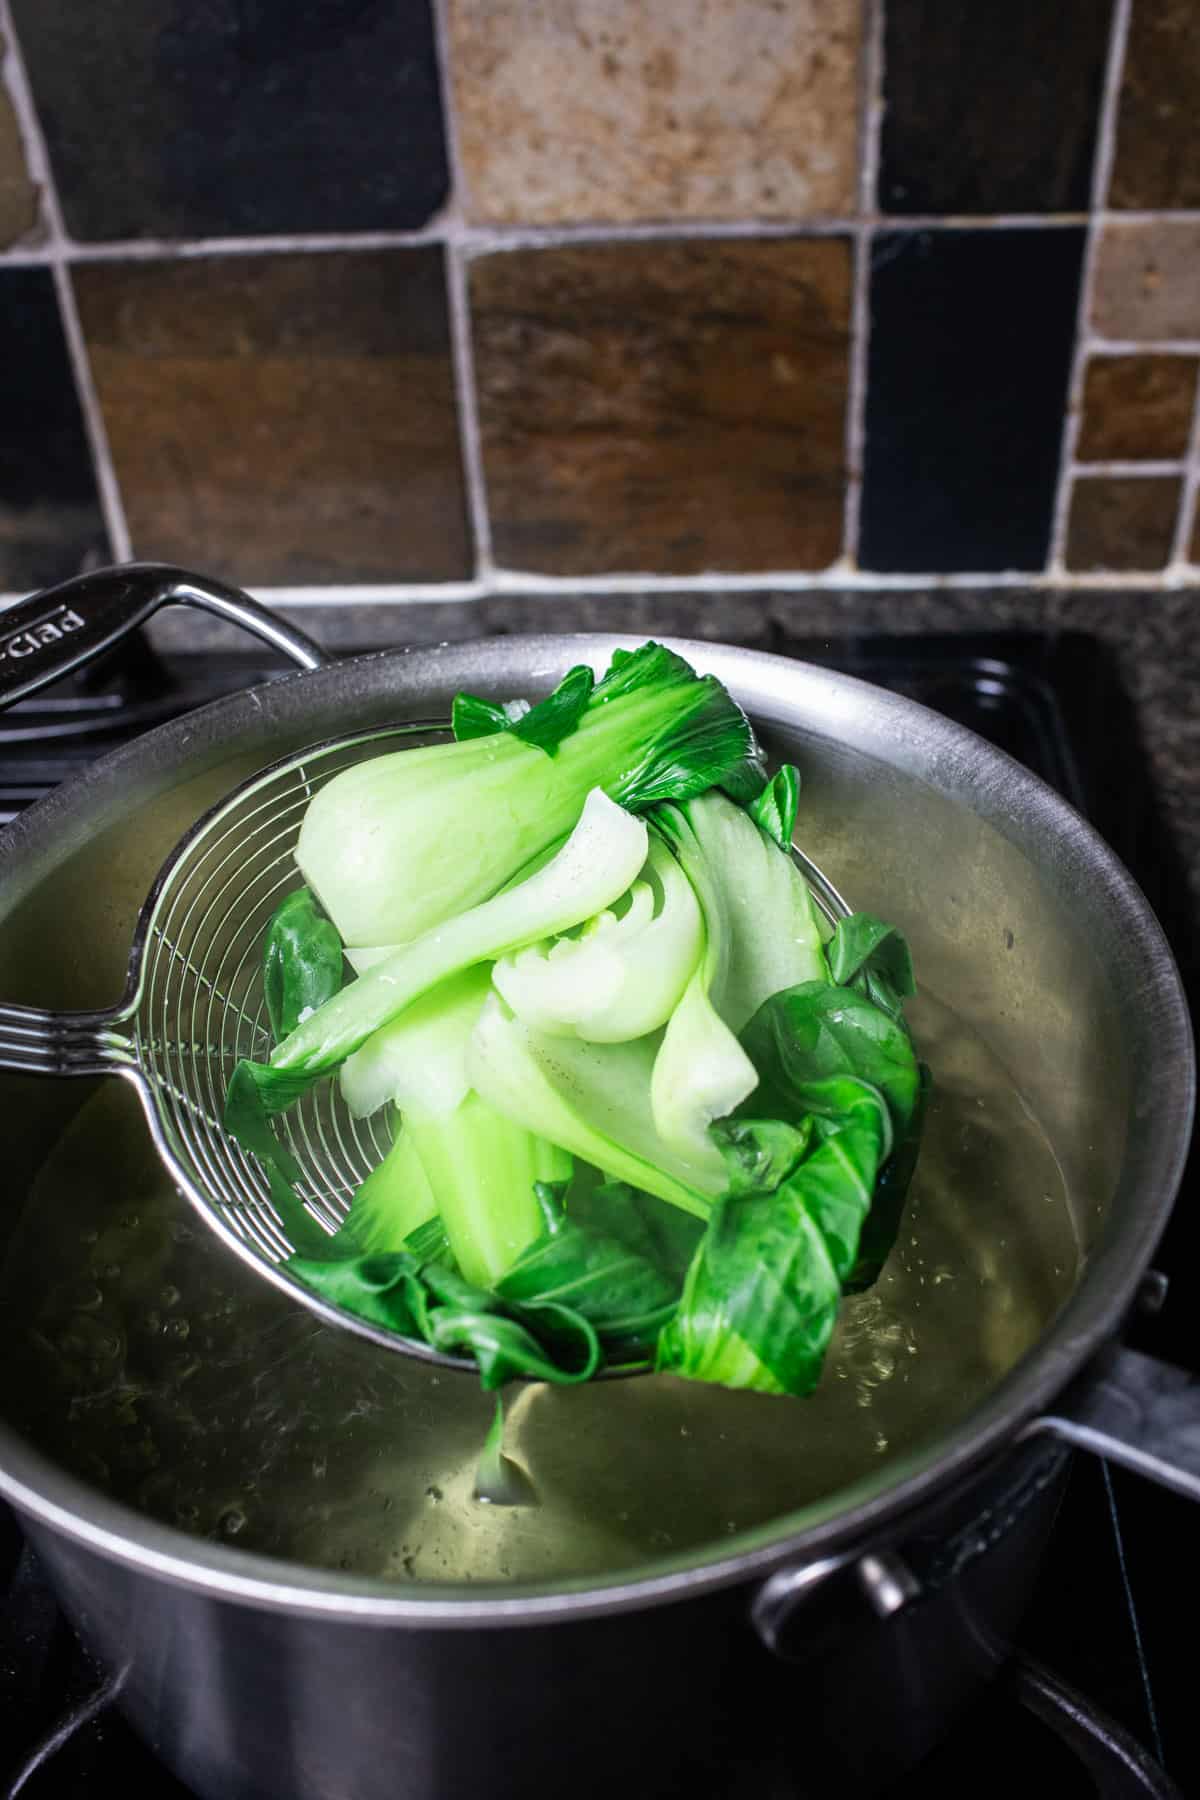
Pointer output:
194, 1006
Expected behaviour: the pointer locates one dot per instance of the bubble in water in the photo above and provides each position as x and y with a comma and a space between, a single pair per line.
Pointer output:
434, 1492
231, 1521
170, 1296
176, 1328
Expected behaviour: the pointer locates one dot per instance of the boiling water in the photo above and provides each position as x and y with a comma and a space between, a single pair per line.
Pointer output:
146, 1358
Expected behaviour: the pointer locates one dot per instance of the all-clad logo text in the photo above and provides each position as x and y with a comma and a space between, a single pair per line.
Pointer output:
50, 630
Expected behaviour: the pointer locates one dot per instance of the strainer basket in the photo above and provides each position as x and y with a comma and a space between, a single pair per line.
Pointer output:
194, 1006
194, 1002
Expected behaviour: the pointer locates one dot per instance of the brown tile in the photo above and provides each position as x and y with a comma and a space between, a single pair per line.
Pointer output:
18, 194
1122, 522
282, 418
1137, 406
665, 407
1147, 281
1158, 151
651, 109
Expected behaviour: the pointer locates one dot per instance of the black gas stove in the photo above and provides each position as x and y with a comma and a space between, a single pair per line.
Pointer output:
1118, 1710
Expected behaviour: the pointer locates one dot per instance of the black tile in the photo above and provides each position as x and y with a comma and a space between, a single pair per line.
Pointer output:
50, 521
169, 119
990, 109
969, 359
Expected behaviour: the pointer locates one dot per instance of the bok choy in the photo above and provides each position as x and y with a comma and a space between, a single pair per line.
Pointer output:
648, 1111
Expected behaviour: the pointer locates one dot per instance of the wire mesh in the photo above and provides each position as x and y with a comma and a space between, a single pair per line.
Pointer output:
202, 1006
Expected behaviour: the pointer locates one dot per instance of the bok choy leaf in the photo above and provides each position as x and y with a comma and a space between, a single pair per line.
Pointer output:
623, 973
761, 1297
302, 962
649, 1109
400, 843
597, 863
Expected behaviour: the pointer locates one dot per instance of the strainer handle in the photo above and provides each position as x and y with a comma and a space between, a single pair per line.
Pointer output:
52, 632
36, 1042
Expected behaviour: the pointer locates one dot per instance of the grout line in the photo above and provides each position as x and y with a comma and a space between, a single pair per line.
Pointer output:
1106, 142
549, 589
54, 257
1158, 215
187, 249
458, 304
1099, 346
1127, 466
860, 321
480, 240
469, 434
1181, 548
111, 504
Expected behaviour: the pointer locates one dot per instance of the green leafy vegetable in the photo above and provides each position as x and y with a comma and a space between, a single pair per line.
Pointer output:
429, 1243
302, 962
427, 1301
648, 1109
593, 1099
595, 865
659, 1233
837, 1080
393, 1203
545, 724
814, 1031
624, 972
419, 1060
774, 810
755, 894
401, 843
875, 958
481, 1168
471, 717
385, 1288
622, 1294
760, 936
761, 1297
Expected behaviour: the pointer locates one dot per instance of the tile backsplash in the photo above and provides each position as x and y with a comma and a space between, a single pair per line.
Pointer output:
509, 295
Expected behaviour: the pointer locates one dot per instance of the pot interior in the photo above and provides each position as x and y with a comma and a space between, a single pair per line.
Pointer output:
145, 1359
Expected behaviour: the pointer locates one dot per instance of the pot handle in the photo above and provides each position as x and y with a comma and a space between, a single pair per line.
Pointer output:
1136, 1411
1130, 1408
53, 632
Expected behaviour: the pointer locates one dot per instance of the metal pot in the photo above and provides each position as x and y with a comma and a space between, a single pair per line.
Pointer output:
256, 1676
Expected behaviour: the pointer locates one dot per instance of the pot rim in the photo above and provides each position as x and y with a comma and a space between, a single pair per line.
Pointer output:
1009, 797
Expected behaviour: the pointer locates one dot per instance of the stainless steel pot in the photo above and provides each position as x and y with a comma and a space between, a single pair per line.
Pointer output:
255, 1676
